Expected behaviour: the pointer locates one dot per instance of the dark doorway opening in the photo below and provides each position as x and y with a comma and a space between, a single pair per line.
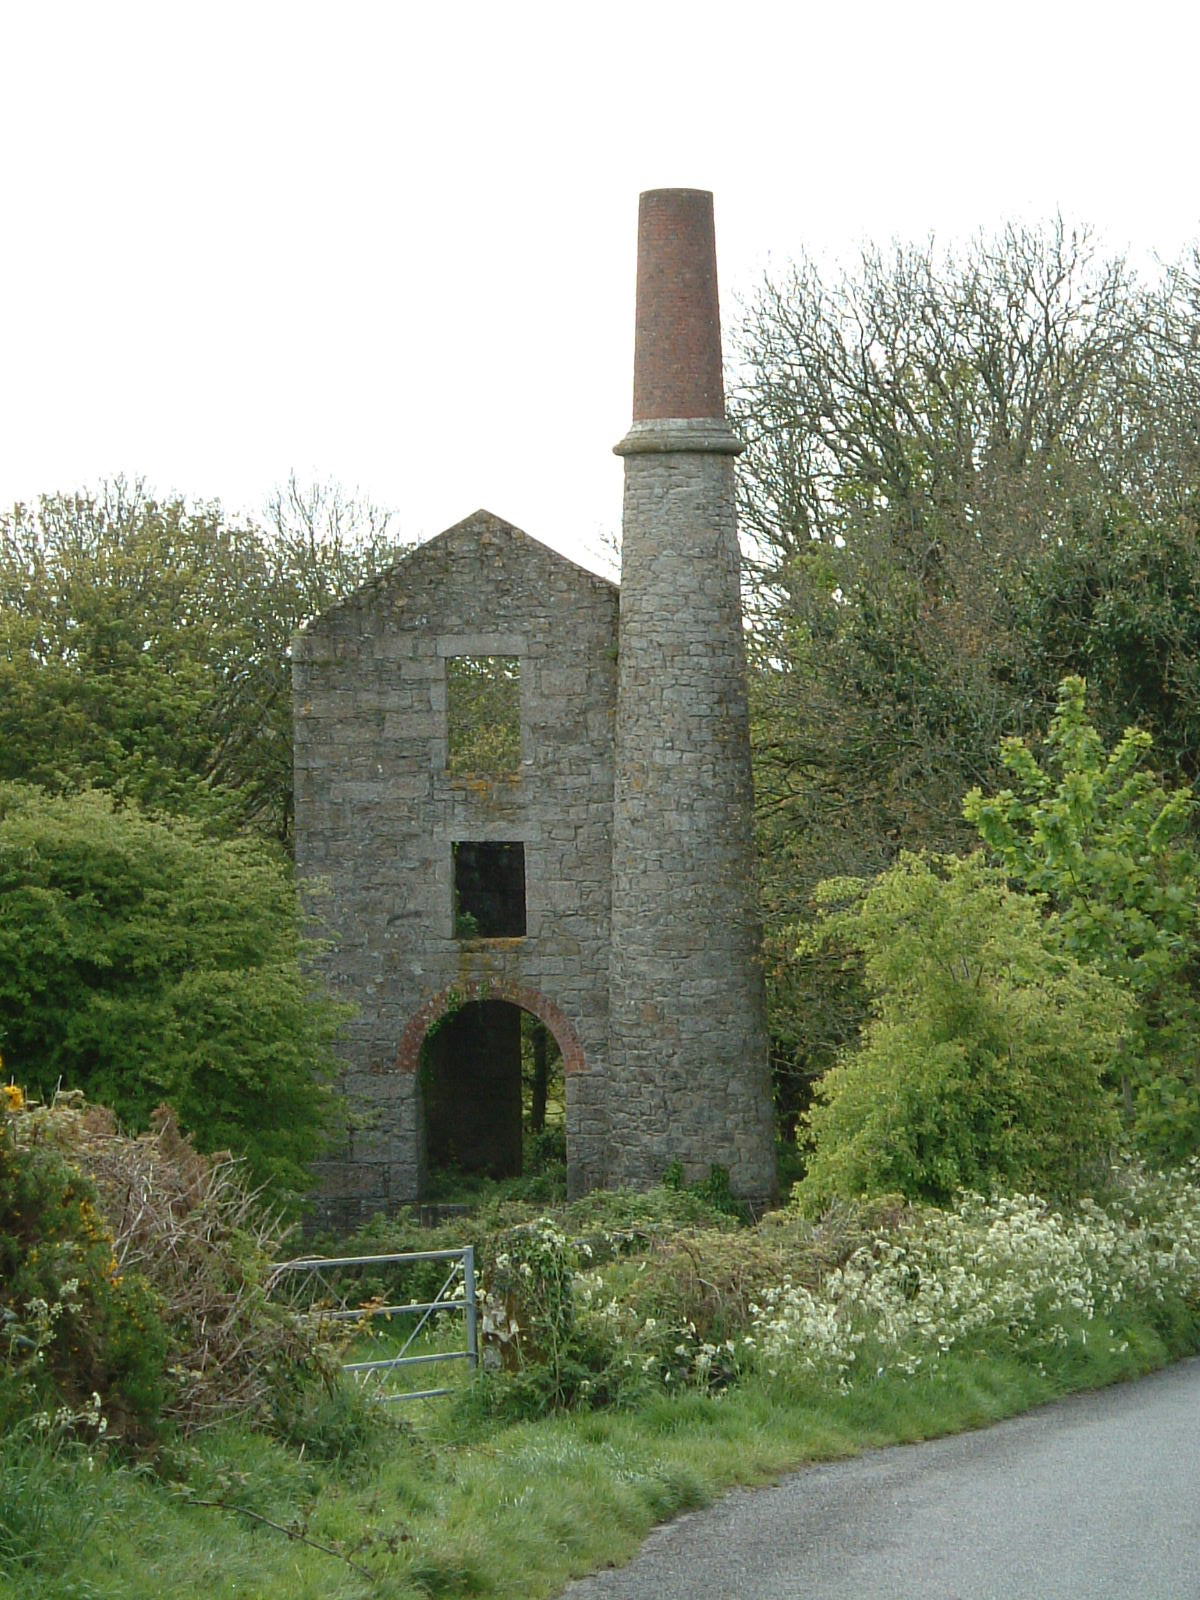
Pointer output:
493, 1091
489, 889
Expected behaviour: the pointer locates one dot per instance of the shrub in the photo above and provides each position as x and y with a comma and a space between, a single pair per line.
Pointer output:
982, 1064
1008, 1275
645, 1214
679, 1309
141, 961
530, 1306
171, 1252
1110, 847
74, 1323
713, 1190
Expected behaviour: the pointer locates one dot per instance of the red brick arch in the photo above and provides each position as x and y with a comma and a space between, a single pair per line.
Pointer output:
408, 1056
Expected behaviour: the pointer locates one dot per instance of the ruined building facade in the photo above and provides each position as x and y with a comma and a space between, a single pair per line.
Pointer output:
589, 858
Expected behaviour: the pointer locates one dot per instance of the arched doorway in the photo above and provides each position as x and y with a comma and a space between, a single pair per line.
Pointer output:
492, 1089
493, 1061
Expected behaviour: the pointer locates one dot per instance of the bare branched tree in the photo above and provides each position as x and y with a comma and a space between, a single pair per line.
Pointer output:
329, 539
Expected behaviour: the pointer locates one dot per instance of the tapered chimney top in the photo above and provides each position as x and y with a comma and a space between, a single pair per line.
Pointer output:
677, 344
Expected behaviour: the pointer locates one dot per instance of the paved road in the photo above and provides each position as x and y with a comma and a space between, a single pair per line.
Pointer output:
1095, 1498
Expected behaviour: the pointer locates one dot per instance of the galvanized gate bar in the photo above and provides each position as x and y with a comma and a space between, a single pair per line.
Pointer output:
406, 1361
307, 1263
465, 1262
392, 1311
472, 1307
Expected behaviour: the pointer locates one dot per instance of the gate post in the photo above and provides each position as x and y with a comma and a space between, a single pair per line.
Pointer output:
472, 1311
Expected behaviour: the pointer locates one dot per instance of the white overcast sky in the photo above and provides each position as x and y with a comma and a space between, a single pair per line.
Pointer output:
393, 244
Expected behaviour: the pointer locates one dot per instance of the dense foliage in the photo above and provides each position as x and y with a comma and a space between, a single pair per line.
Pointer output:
983, 1061
143, 961
990, 1277
1097, 833
135, 1279
80, 1338
969, 474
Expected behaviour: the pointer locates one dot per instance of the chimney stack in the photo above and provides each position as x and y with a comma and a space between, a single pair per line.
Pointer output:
687, 1016
677, 339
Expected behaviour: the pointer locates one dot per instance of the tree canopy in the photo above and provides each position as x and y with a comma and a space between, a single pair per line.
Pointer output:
983, 1060
144, 643
151, 948
1095, 832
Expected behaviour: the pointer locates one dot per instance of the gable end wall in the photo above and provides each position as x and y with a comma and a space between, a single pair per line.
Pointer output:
377, 813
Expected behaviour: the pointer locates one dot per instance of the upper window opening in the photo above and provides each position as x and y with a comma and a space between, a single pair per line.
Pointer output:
483, 715
489, 889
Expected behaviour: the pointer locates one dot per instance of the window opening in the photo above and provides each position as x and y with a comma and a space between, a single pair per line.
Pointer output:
483, 715
489, 889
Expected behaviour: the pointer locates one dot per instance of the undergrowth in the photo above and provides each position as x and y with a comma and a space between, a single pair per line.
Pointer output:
644, 1352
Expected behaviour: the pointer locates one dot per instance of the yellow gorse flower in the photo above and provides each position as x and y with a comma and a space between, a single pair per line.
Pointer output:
14, 1097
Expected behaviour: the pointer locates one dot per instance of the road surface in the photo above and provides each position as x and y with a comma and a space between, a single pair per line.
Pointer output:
1094, 1498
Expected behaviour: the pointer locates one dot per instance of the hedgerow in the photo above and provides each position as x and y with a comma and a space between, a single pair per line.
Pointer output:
135, 1279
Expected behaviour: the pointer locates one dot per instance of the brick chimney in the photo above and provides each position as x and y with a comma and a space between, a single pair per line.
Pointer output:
677, 338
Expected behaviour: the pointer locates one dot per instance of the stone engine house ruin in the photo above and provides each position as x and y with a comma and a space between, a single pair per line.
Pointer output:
524, 791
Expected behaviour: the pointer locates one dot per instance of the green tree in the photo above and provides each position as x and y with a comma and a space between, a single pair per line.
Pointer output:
983, 1059
968, 473
1095, 832
144, 644
1118, 603
921, 431
143, 962
483, 716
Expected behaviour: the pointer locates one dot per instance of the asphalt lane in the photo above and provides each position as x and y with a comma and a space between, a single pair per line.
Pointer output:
1094, 1498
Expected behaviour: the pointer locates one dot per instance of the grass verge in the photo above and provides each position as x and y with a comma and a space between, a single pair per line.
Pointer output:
462, 1505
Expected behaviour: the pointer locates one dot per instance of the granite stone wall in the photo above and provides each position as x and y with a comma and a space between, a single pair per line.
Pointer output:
377, 815
687, 1008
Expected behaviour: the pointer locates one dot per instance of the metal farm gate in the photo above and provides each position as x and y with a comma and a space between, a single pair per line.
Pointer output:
330, 1289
